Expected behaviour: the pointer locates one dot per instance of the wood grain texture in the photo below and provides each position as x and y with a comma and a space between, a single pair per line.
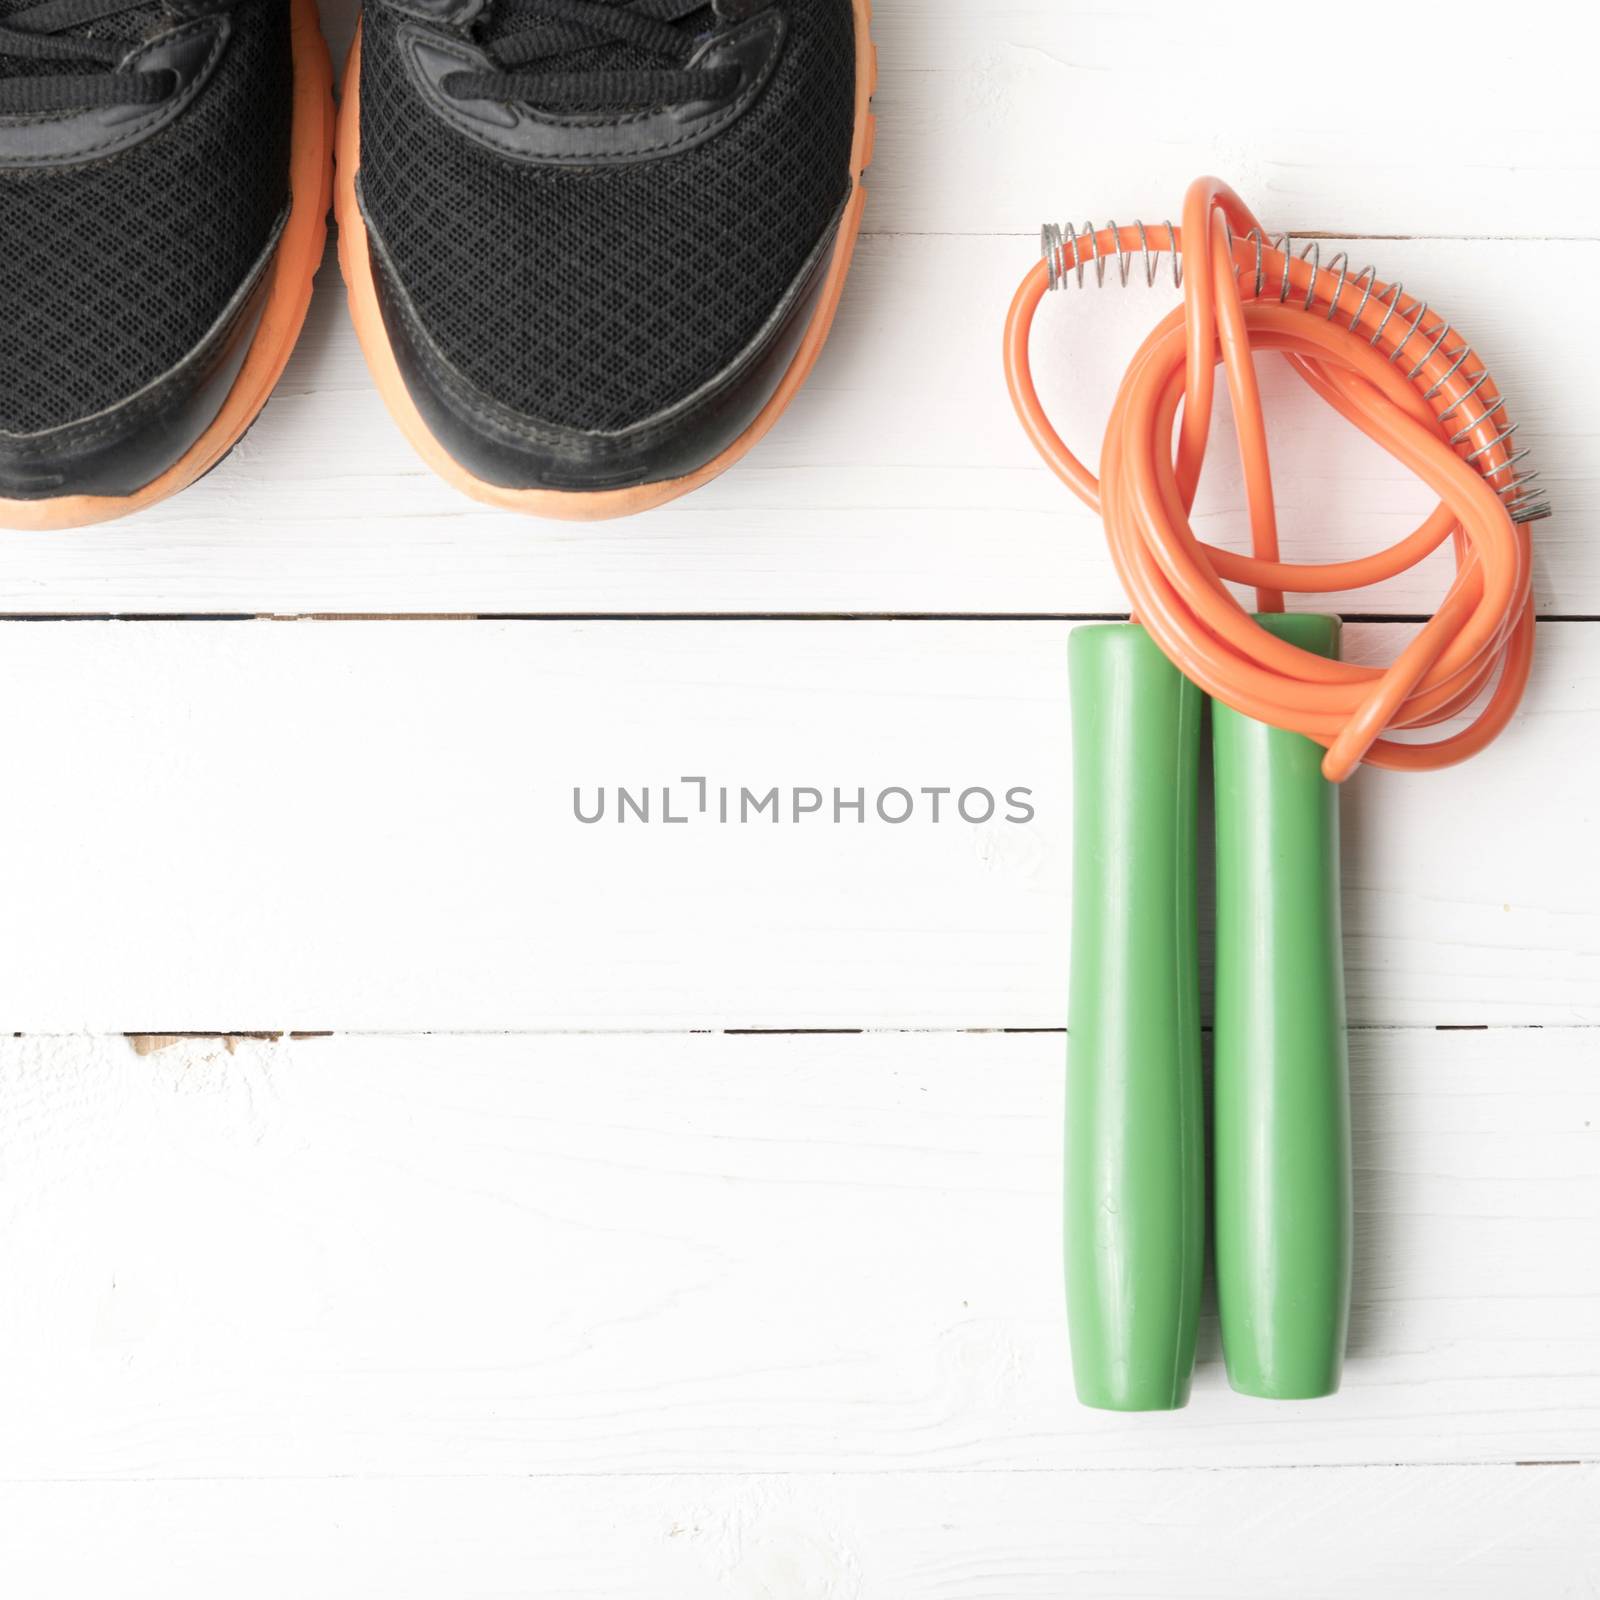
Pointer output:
898, 482
1036, 109
1472, 1533
263, 825
503, 1257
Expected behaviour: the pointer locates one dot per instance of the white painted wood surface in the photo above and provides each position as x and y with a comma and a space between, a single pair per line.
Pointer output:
1474, 1533
534, 1281
266, 825
468, 1257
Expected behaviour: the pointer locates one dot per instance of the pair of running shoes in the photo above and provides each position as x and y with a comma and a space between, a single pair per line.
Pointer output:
592, 247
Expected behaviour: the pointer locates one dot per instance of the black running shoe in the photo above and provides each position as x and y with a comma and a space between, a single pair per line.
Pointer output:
165, 172
593, 247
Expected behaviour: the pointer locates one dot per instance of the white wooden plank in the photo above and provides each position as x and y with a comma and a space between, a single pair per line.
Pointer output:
263, 825
899, 482
494, 1256
1469, 1533
994, 113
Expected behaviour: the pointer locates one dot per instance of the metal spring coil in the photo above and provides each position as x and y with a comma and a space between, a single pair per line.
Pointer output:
1071, 252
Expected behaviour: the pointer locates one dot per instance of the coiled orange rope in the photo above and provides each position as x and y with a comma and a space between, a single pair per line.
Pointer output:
1369, 351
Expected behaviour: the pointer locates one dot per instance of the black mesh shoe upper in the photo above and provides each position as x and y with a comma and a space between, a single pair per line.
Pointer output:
593, 297
113, 269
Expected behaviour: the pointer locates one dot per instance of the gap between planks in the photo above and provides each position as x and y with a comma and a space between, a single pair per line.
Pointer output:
799, 1474
147, 1043
1051, 617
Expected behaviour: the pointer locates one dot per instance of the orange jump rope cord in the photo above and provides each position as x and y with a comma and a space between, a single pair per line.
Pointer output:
1365, 349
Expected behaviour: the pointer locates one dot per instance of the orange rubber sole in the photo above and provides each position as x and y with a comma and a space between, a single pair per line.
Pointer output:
295, 264
356, 262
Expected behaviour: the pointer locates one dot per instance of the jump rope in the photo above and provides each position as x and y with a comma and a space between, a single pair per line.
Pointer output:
1290, 721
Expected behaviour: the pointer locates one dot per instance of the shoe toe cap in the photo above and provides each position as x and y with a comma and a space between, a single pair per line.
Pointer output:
125, 445
508, 448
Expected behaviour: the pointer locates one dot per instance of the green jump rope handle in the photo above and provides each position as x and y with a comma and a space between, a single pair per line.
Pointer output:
1134, 1191
1282, 1097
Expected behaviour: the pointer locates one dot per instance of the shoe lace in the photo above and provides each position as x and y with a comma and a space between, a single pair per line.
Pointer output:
51, 33
534, 35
